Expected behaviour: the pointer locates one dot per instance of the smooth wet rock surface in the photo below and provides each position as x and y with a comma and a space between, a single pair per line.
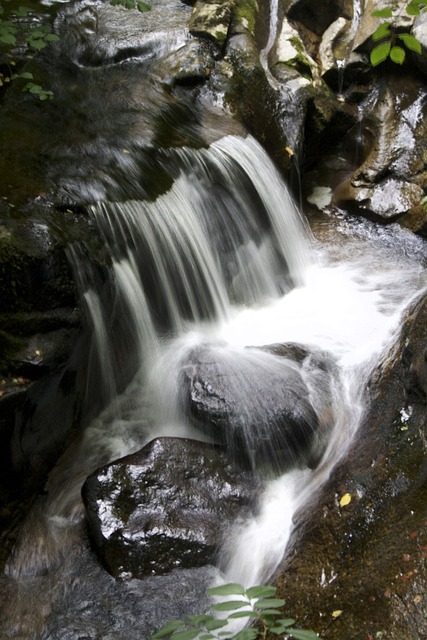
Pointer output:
366, 559
257, 403
167, 507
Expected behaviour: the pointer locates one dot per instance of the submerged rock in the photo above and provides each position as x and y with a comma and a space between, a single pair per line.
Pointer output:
256, 403
168, 506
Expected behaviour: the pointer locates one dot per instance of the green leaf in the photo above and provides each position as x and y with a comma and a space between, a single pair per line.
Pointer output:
38, 33
22, 12
380, 53
206, 636
37, 44
410, 42
246, 634
383, 31
25, 74
230, 605
187, 634
301, 634
143, 7
412, 10
382, 13
414, 7
398, 55
213, 624
7, 38
200, 619
269, 603
282, 625
270, 612
230, 589
51, 37
169, 628
260, 591
244, 614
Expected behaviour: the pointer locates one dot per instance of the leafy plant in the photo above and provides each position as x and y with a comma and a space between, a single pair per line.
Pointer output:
16, 29
389, 41
258, 605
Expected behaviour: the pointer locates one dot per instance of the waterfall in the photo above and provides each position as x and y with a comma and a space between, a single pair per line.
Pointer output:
221, 261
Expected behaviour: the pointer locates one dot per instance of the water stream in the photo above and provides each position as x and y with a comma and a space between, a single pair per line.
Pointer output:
221, 259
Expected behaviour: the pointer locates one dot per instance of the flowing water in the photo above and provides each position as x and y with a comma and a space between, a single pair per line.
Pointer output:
221, 259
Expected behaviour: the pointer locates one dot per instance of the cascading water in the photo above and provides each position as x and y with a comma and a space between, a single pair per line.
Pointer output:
221, 261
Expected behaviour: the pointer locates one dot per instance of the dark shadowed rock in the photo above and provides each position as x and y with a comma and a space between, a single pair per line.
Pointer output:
166, 507
315, 15
367, 559
255, 402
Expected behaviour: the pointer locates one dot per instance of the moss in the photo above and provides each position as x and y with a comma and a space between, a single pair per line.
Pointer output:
245, 14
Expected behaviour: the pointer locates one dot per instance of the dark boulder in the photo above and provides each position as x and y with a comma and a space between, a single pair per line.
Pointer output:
166, 507
255, 402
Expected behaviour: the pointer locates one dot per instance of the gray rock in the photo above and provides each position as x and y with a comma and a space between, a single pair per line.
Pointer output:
256, 403
211, 20
166, 507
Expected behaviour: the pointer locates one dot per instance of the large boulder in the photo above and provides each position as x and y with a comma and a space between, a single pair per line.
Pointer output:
168, 506
360, 562
257, 403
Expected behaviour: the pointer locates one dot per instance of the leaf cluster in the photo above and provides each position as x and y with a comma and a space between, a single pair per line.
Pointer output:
389, 42
257, 605
16, 28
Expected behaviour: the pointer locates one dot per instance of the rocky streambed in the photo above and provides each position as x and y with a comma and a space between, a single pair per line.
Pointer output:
130, 90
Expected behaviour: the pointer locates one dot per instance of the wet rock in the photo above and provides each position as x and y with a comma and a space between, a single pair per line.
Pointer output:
391, 180
289, 50
211, 20
316, 16
366, 559
257, 403
166, 507
387, 200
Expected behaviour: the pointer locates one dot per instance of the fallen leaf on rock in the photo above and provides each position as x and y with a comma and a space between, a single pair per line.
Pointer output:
336, 613
417, 599
345, 500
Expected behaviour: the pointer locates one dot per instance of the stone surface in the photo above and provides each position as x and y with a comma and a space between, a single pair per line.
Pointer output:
367, 559
211, 20
258, 404
165, 507
315, 15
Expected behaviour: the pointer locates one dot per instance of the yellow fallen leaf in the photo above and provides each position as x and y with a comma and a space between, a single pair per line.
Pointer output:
38, 352
345, 500
289, 151
336, 613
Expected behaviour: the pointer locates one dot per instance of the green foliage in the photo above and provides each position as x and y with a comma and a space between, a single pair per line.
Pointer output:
387, 37
257, 604
17, 29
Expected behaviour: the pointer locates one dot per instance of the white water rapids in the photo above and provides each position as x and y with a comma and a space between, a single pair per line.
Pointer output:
224, 258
